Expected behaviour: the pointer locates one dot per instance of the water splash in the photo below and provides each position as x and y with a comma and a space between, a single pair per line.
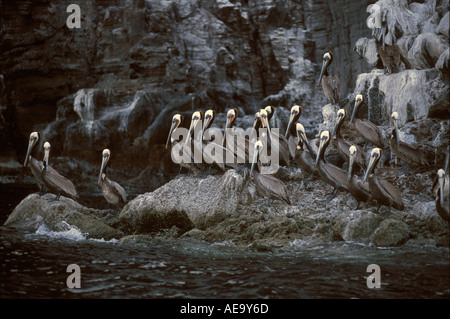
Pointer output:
67, 231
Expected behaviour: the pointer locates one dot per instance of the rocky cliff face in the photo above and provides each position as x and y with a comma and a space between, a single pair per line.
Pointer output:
117, 80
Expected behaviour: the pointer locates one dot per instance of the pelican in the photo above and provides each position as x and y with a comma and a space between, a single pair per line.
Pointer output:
356, 187
343, 146
331, 174
195, 120
54, 181
330, 83
210, 115
405, 152
35, 165
112, 191
282, 147
366, 129
390, 56
231, 120
187, 161
304, 158
384, 192
296, 112
443, 195
266, 184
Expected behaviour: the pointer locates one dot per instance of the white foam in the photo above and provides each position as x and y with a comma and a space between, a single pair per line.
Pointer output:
68, 231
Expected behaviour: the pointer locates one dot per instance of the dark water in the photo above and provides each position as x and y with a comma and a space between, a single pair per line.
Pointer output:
33, 265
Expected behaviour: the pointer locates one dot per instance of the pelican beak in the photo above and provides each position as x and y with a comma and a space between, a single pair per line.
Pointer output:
291, 120
255, 159
46, 156
322, 71
350, 167
102, 168
30, 147
319, 153
355, 109
227, 125
203, 128
172, 128
441, 189
397, 136
369, 168
265, 123
191, 127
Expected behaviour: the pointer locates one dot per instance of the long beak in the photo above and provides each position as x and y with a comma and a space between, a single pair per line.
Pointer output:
227, 124
324, 66
255, 157
396, 132
441, 190
102, 168
189, 133
265, 123
291, 120
30, 147
355, 108
350, 168
46, 155
203, 128
172, 127
369, 168
319, 153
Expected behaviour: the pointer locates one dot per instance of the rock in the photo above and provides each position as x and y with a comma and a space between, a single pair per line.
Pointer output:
442, 64
35, 211
356, 226
411, 93
391, 232
426, 50
444, 26
367, 49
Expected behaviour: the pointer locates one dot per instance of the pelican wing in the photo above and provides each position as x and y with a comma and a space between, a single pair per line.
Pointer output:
271, 187
60, 182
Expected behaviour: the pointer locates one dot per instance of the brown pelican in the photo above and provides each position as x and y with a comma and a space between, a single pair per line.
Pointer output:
112, 191
231, 120
366, 129
196, 119
384, 192
210, 115
330, 83
443, 195
35, 165
356, 187
266, 184
296, 112
405, 152
282, 146
390, 56
55, 182
187, 157
343, 146
329, 173
304, 157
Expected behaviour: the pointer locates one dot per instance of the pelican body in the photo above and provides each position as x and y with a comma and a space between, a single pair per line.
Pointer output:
357, 188
267, 184
112, 191
343, 147
366, 129
384, 192
35, 165
55, 182
331, 84
283, 145
405, 152
329, 173
304, 158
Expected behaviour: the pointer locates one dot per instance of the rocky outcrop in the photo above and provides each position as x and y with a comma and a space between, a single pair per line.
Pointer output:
35, 211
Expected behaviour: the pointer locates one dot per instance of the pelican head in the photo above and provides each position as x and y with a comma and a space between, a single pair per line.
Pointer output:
257, 121
105, 158
302, 138
352, 151
176, 121
326, 61
209, 119
197, 117
258, 148
359, 99
231, 119
339, 120
296, 112
394, 121
375, 156
265, 121
324, 140
34, 138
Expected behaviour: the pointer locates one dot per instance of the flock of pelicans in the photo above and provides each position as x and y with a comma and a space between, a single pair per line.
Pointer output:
293, 148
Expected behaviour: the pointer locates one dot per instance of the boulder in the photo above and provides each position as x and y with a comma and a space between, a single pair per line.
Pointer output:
391, 232
35, 211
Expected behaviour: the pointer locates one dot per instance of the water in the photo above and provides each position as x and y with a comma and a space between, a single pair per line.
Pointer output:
33, 265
